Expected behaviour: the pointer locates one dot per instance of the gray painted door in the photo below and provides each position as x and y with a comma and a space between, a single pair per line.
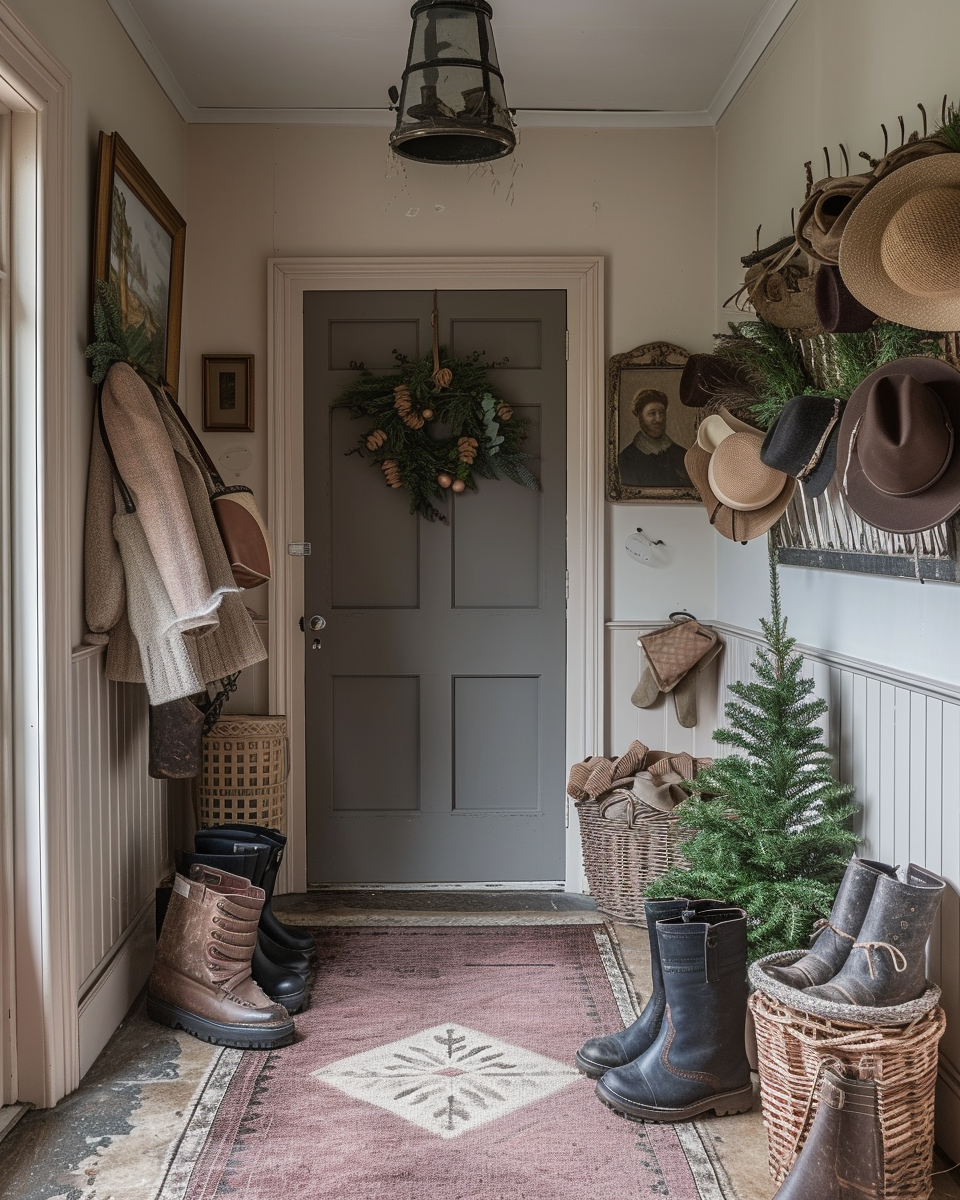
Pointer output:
435, 702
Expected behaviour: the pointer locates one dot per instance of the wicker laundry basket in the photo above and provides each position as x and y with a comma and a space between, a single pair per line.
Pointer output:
244, 773
794, 1046
622, 854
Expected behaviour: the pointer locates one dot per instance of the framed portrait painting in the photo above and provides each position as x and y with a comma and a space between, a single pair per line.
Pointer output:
648, 429
139, 240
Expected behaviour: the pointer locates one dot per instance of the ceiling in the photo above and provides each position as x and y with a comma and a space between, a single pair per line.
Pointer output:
565, 62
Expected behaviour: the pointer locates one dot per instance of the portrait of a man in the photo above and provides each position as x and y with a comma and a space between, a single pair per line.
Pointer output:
649, 429
652, 458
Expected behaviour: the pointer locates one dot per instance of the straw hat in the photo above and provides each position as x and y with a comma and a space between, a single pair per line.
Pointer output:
802, 442
825, 213
898, 453
900, 252
742, 495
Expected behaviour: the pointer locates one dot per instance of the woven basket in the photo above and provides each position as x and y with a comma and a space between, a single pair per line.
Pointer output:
620, 860
244, 773
793, 1047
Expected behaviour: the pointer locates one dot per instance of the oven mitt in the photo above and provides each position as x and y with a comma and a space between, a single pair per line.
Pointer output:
685, 693
673, 650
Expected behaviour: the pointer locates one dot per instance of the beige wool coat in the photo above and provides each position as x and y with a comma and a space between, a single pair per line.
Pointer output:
159, 589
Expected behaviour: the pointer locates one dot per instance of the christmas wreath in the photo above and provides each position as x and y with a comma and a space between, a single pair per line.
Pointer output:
437, 425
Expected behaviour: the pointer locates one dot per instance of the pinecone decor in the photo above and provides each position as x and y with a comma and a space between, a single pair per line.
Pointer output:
434, 429
391, 472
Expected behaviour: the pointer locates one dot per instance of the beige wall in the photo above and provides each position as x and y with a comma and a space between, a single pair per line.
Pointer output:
642, 198
839, 69
112, 90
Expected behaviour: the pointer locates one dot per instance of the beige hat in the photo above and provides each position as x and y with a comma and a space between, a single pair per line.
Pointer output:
742, 495
900, 250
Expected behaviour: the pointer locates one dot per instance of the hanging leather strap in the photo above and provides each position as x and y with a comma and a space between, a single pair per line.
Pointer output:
125, 495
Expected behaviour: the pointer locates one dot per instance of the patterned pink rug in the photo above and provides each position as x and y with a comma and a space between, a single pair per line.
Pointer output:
437, 1062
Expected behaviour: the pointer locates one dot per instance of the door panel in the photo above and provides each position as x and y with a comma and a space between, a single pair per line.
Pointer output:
435, 702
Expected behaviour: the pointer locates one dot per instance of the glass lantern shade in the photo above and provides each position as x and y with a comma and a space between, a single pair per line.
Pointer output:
452, 106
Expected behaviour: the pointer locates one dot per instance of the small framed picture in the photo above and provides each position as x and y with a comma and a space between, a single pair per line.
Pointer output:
648, 429
228, 392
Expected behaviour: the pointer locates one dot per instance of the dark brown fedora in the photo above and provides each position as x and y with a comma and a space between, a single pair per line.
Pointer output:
838, 310
898, 454
707, 377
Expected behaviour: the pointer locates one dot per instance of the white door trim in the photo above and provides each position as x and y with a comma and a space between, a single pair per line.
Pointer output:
38, 605
582, 279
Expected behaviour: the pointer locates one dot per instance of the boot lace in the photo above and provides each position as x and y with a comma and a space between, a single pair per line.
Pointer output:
823, 925
229, 945
897, 957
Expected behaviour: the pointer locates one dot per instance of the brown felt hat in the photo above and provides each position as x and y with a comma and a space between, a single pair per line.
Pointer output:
898, 454
743, 497
705, 376
825, 213
838, 309
900, 253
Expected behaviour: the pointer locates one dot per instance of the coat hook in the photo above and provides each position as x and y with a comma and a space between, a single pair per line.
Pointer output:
886, 140
759, 227
943, 110
793, 221
649, 541
924, 113
903, 130
846, 160
826, 159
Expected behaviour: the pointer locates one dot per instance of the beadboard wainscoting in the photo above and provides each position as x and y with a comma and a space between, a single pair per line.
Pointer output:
123, 826
896, 738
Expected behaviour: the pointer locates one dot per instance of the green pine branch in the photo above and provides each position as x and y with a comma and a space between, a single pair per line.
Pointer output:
770, 828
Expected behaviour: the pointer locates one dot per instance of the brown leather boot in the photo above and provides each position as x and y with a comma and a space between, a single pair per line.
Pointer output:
201, 975
842, 1158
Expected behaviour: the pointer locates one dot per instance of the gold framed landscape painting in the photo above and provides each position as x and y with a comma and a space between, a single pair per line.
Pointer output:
648, 429
139, 240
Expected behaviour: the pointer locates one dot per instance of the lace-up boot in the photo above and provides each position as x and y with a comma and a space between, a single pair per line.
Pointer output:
616, 1049
833, 939
887, 962
201, 979
842, 1158
698, 1062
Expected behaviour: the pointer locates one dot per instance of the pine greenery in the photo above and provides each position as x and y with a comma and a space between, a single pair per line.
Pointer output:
112, 342
468, 408
775, 364
771, 831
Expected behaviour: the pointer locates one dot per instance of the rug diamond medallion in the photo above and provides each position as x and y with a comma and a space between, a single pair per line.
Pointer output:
448, 1079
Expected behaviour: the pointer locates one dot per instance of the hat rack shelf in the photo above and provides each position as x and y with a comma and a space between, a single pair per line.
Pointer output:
825, 532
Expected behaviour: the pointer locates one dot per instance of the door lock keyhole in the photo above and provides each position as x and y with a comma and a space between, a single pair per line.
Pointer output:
316, 644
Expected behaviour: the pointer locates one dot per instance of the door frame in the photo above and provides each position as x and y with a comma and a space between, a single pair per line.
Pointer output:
581, 277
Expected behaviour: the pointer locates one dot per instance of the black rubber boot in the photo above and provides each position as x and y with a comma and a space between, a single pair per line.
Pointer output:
616, 1049
842, 1158
270, 844
887, 964
698, 1062
281, 983
835, 938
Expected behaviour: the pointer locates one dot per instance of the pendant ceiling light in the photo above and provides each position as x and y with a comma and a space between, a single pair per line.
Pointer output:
452, 106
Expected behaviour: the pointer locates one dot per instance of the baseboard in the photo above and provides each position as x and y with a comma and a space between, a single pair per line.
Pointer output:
107, 1001
536, 885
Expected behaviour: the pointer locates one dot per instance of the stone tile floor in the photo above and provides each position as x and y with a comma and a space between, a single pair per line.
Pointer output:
112, 1138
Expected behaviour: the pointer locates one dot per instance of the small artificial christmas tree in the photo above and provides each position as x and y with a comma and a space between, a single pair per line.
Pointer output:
772, 830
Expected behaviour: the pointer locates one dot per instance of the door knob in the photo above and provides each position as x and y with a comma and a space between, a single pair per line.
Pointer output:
317, 622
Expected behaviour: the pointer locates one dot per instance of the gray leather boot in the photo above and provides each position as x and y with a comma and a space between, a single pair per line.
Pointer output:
842, 1158
833, 941
615, 1049
887, 963
698, 1062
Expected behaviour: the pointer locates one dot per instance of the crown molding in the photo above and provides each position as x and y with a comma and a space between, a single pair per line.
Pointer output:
767, 26
764, 30
137, 33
